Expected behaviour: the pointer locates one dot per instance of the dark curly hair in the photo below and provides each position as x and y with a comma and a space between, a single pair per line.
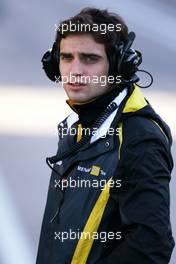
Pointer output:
91, 16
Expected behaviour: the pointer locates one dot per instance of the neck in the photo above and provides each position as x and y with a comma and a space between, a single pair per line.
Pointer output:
90, 110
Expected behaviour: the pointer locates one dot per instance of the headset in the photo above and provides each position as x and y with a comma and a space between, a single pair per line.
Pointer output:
123, 61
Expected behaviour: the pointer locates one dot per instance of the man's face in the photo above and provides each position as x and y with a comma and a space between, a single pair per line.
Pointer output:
80, 56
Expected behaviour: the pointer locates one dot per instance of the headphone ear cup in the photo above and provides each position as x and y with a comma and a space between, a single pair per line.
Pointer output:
130, 63
50, 62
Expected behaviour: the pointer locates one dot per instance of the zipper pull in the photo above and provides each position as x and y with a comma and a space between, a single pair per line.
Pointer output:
56, 213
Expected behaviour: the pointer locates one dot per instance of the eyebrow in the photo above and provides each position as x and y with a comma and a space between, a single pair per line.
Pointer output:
82, 54
90, 55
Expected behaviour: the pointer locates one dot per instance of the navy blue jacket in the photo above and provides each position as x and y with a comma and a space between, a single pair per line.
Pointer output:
121, 214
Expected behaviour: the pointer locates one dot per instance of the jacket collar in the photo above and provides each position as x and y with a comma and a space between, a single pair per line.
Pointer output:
135, 102
73, 118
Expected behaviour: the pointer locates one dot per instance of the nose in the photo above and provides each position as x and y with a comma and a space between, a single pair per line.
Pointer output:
76, 67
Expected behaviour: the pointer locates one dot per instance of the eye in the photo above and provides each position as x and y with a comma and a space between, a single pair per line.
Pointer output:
66, 57
90, 59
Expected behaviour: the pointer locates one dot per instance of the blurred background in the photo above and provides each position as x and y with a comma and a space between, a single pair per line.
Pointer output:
31, 106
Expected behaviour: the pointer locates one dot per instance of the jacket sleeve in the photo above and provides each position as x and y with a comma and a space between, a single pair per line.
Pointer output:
144, 204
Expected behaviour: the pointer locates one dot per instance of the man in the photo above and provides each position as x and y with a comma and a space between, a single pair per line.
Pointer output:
108, 199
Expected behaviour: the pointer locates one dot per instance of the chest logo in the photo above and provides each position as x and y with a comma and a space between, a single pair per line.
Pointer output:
93, 170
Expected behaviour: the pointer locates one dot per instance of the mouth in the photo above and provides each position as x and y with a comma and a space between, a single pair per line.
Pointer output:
76, 86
